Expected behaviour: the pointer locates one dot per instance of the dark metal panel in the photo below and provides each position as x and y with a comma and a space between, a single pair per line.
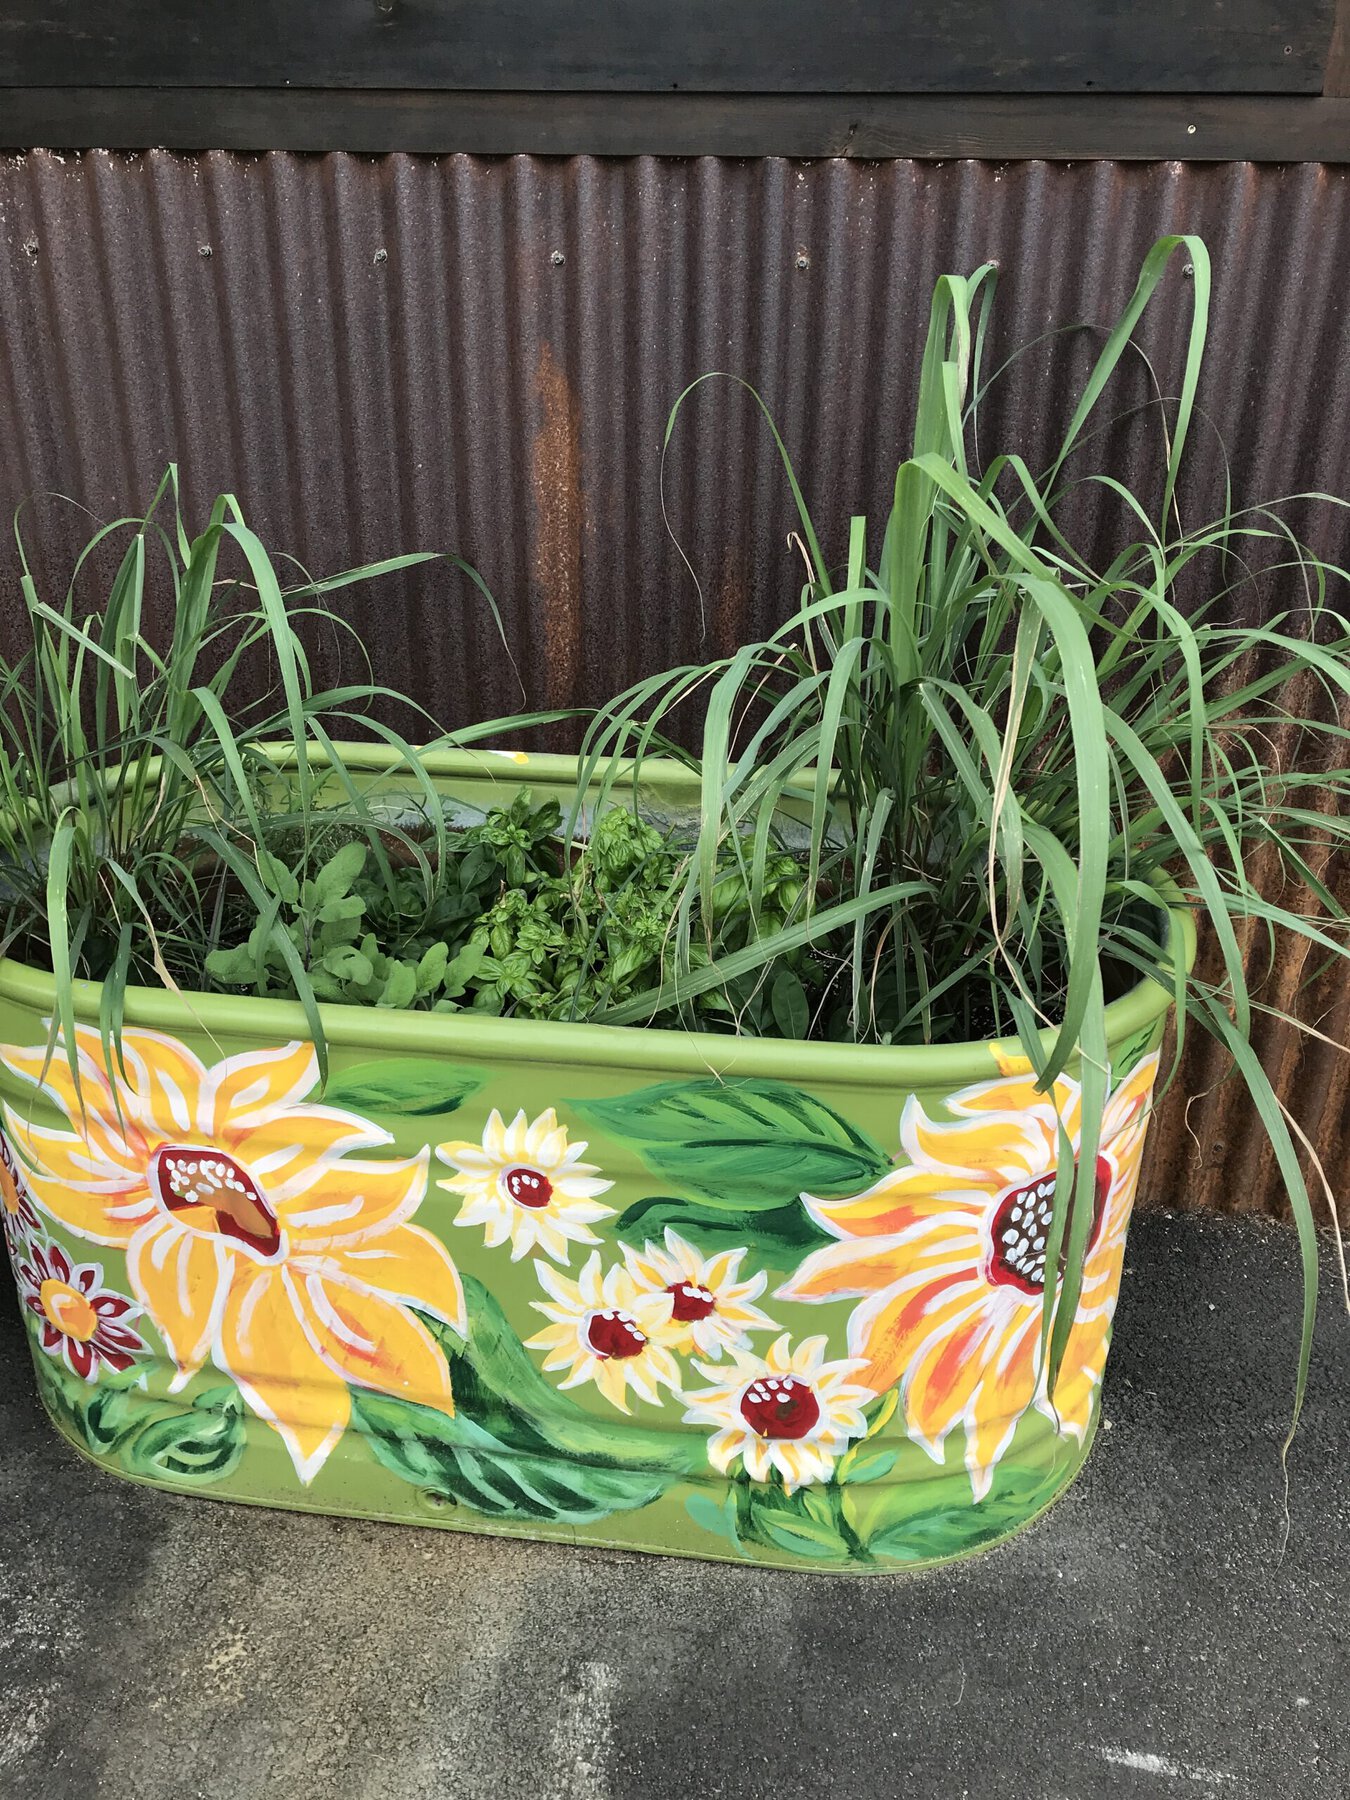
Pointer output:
795, 46
480, 354
1133, 127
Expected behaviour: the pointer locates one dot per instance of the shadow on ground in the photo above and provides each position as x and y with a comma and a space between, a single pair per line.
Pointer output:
1145, 1638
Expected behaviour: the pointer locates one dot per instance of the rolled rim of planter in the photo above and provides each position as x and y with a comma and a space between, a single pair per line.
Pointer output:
467, 1032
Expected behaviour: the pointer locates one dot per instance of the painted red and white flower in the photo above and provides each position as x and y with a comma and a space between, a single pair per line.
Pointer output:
526, 1184
789, 1410
712, 1307
604, 1328
79, 1318
17, 1211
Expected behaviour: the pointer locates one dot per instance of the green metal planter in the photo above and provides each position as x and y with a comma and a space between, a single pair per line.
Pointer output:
684, 1293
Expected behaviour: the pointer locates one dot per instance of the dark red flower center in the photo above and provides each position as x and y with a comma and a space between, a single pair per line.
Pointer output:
780, 1406
527, 1187
615, 1333
1021, 1230
213, 1193
691, 1302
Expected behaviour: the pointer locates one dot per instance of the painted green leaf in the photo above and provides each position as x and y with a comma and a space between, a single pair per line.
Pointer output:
779, 1235
808, 1522
868, 1462
98, 1417
900, 1535
1132, 1051
717, 1517
516, 1447
460, 1459
496, 1379
412, 1087
203, 1443
740, 1145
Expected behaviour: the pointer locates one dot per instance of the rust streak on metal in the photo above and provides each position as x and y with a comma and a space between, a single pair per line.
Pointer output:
555, 487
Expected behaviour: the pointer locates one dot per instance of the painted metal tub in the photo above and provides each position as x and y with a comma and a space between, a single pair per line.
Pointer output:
670, 1292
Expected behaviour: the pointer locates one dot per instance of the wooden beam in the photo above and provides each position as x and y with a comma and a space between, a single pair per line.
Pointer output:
694, 46
1136, 127
1336, 81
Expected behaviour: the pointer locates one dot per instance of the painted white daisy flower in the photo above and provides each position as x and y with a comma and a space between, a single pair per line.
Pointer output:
525, 1182
789, 1410
711, 1308
606, 1330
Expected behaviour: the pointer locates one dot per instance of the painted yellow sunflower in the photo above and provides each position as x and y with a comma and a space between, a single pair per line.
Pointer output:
605, 1329
788, 1410
253, 1236
948, 1256
711, 1309
526, 1183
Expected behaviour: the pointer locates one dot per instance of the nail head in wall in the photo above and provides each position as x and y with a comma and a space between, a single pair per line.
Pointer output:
30, 248
380, 256
1190, 131
203, 249
803, 260
557, 258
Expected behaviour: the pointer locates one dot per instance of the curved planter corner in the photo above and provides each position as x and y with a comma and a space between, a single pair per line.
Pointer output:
663, 1291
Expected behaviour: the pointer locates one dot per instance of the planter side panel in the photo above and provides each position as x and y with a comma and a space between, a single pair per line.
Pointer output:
792, 1322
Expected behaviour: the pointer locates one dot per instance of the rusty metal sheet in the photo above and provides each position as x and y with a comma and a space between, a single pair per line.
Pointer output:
480, 354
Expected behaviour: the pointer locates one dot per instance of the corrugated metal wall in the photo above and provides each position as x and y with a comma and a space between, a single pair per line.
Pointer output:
480, 354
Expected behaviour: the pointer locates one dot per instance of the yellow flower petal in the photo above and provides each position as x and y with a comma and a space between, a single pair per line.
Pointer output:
611, 1378
995, 1151
1133, 1097
50, 1072
291, 1151
105, 1202
406, 1264
885, 1332
948, 1376
865, 1265
181, 1278
1004, 1397
243, 1092
902, 1199
160, 1081
365, 1338
263, 1345
350, 1201
1080, 1374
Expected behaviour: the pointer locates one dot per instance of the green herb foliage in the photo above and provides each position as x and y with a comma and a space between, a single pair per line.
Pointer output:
505, 921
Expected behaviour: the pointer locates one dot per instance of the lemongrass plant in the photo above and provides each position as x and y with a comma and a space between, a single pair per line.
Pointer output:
146, 776
1008, 757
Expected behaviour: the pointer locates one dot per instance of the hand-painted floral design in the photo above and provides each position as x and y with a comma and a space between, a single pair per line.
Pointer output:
948, 1255
788, 1410
607, 1330
17, 1212
253, 1236
712, 1308
79, 1319
525, 1182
